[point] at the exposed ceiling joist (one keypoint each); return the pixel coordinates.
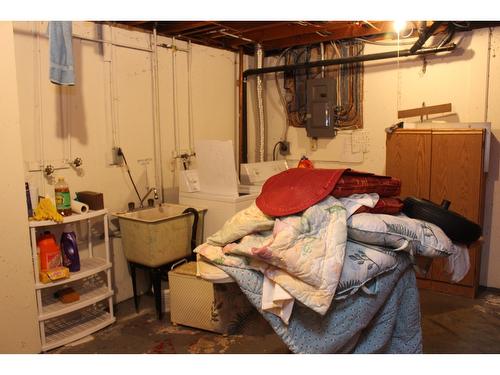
(275, 36)
(330, 34)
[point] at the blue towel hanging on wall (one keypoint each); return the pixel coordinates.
(61, 53)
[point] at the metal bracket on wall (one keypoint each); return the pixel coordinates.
(49, 165)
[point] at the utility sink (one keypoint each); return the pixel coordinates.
(158, 235)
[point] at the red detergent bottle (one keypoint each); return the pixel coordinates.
(49, 252)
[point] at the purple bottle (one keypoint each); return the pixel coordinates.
(69, 248)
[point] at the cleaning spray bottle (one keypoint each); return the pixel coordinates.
(69, 248)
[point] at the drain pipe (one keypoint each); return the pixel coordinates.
(339, 61)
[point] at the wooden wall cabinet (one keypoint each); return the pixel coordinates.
(437, 164)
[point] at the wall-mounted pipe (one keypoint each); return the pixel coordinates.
(240, 103)
(339, 61)
(426, 35)
(261, 128)
(158, 159)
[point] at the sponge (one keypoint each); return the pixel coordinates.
(67, 295)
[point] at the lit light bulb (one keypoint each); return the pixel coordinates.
(399, 25)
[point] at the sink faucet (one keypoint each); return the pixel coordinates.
(146, 195)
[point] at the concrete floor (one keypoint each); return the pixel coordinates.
(461, 325)
(450, 325)
(138, 333)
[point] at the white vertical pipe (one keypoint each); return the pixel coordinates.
(261, 130)
(113, 90)
(65, 103)
(190, 100)
(174, 97)
(156, 115)
(40, 106)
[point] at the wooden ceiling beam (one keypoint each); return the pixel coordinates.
(250, 26)
(178, 27)
(279, 31)
(277, 35)
(136, 23)
(290, 29)
(348, 32)
(203, 31)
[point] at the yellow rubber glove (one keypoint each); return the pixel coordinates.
(45, 210)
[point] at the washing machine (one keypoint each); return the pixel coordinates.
(214, 185)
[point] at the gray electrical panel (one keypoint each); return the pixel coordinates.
(321, 103)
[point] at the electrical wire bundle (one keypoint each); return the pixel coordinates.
(348, 80)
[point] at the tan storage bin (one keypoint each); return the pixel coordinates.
(198, 303)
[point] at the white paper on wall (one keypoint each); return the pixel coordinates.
(190, 181)
(216, 167)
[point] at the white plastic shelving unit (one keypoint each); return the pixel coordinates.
(61, 323)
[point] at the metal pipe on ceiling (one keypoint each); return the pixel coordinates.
(348, 60)
(339, 61)
(426, 35)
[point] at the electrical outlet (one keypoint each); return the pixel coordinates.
(285, 148)
(116, 158)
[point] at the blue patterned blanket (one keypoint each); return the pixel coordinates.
(387, 321)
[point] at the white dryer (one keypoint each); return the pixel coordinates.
(213, 185)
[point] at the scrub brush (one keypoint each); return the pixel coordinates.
(45, 210)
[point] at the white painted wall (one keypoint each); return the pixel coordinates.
(460, 78)
(18, 315)
(112, 104)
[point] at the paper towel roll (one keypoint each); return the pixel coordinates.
(79, 207)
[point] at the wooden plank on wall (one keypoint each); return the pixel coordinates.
(422, 111)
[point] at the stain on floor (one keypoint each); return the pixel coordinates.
(450, 324)
(137, 333)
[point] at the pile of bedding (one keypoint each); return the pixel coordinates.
(326, 257)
